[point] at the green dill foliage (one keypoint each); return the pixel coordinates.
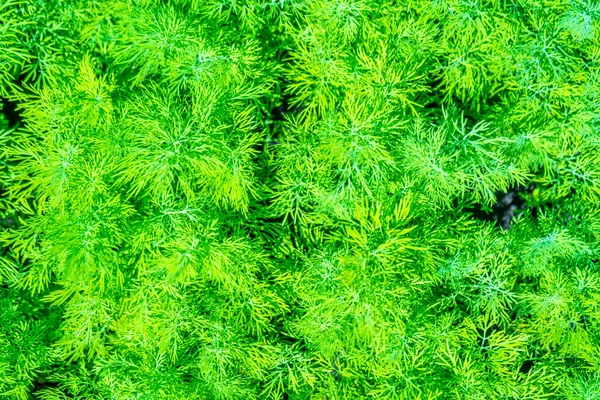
(295, 199)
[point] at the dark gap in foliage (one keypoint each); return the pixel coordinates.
(526, 366)
(42, 381)
(104, 64)
(335, 369)
(11, 113)
(508, 204)
(279, 112)
(265, 226)
(464, 110)
(282, 107)
(276, 110)
(8, 222)
(529, 363)
(581, 323)
(458, 303)
(434, 99)
(493, 100)
(335, 373)
(573, 362)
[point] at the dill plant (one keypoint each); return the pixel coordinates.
(300, 199)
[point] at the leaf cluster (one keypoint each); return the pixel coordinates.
(278, 199)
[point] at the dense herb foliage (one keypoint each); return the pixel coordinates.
(300, 199)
